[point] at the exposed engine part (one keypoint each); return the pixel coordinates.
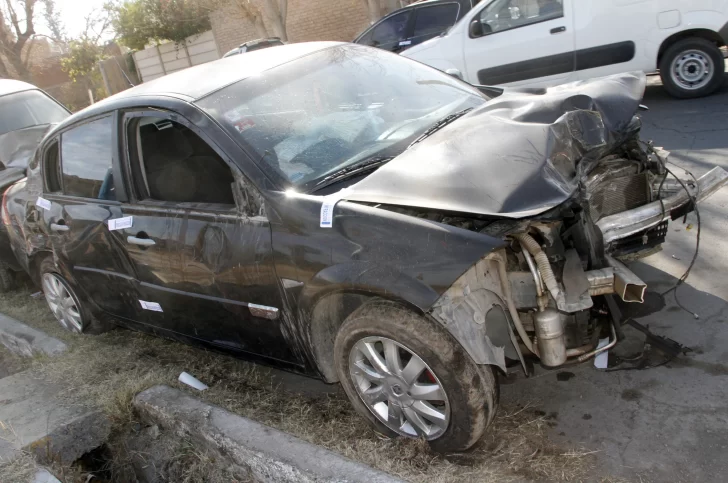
(542, 300)
(506, 288)
(550, 337)
(617, 279)
(617, 185)
(596, 352)
(544, 267)
(621, 225)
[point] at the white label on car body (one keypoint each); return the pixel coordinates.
(405, 42)
(327, 208)
(121, 223)
(43, 203)
(153, 306)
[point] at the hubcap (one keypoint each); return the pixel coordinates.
(692, 69)
(62, 303)
(399, 388)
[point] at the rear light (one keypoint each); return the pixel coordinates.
(4, 209)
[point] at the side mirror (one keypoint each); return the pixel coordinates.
(476, 28)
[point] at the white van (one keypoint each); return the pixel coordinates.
(540, 43)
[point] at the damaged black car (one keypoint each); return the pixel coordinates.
(26, 115)
(347, 213)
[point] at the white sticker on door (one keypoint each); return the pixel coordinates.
(327, 213)
(153, 306)
(43, 203)
(121, 223)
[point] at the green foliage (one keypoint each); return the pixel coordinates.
(137, 22)
(82, 59)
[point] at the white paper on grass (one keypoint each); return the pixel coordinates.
(43, 203)
(600, 361)
(121, 223)
(153, 306)
(192, 381)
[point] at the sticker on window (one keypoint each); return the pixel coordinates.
(405, 42)
(43, 203)
(120, 223)
(153, 306)
(244, 125)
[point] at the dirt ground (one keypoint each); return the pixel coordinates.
(108, 370)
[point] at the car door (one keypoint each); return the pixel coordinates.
(431, 20)
(205, 269)
(392, 33)
(82, 191)
(521, 43)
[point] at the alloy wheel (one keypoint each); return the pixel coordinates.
(692, 69)
(399, 388)
(62, 303)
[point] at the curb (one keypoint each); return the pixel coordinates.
(270, 455)
(26, 341)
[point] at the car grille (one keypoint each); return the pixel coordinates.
(614, 195)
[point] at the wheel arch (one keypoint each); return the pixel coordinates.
(704, 33)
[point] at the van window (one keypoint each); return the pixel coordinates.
(175, 164)
(503, 15)
(86, 160)
(433, 20)
(388, 34)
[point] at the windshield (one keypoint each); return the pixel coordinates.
(334, 108)
(28, 108)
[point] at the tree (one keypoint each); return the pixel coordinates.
(268, 17)
(86, 51)
(374, 9)
(138, 22)
(15, 31)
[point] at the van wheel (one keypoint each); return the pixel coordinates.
(7, 279)
(66, 306)
(692, 67)
(408, 377)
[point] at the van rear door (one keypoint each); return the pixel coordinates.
(521, 43)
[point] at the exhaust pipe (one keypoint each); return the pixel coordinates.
(633, 221)
(619, 279)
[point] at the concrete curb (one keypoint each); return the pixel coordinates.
(26, 341)
(270, 455)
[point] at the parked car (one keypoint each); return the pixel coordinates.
(345, 212)
(414, 24)
(540, 43)
(26, 114)
(254, 45)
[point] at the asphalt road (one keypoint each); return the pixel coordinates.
(667, 423)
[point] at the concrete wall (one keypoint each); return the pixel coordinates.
(169, 57)
(307, 20)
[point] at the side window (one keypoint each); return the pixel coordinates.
(503, 15)
(51, 169)
(431, 21)
(86, 160)
(172, 163)
(391, 31)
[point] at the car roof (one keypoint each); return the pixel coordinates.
(10, 86)
(198, 81)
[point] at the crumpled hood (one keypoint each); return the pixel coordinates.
(518, 155)
(17, 147)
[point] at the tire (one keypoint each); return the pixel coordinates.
(70, 310)
(7, 279)
(682, 64)
(470, 391)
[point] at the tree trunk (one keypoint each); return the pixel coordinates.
(391, 5)
(274, 11)
(374, 9)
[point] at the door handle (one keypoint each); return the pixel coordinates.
(144, 242)
(59, 227)
(558, 30)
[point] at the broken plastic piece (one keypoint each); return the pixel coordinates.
(192, 381)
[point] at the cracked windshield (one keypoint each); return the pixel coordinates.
(342, 107)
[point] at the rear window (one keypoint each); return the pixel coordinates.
(27, 109)
(435, 19)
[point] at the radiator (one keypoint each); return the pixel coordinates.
(614, 195)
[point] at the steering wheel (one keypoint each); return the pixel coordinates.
(323, 155)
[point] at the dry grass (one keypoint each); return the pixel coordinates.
(110, 369)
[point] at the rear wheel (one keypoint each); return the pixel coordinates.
(66, 306)
(408, 377)
(692, 67)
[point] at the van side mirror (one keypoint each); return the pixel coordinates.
(476, 28)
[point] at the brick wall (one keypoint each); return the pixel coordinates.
(307, 20)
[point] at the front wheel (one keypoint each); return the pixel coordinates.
(692, 67)
(408, 377)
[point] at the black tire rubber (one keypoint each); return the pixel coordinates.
(91, 325)
(472, 390)
(692, 43)
(7, 279)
